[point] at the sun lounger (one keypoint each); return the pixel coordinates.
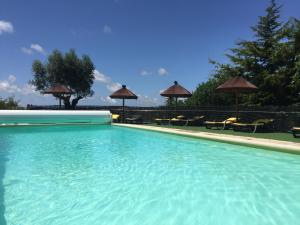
(162, 121)
(115, 118)
(179, 121)
(196, 121)
(261, 124)
(135, 119)
(183, 121)
(220, 124)
(296, 132)
(159, 121)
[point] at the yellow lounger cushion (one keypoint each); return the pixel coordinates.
(115, 116)
(228, 121)
(231, 119)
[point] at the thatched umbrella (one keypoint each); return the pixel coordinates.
(59, 90)
(123, 94)
(176, 91)
(237, 85)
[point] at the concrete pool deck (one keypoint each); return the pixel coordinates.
(269, 144)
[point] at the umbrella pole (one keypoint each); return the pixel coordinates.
(176, 99)
(123, 111)
(166, 110)
(237, 105)
(59, 103)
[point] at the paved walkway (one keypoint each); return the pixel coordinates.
(283, 146)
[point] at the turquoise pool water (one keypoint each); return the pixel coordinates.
(118, 176)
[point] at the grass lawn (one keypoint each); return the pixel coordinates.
(274, 136)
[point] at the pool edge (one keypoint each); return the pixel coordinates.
(268, 144)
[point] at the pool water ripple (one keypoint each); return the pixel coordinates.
(117, 176)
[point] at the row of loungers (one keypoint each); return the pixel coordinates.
(230, 123)
(260, 124)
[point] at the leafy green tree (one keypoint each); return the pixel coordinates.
(292, 31)
(270, 61)
(9, 103)
(259, 60)
(206, 95)
(66, 69)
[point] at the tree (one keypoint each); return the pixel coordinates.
(260, 60)
(292, 49)
(69, 70)
(270, 61)
(206, 95)
(9, 103)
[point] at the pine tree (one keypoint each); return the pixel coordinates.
(271, 61)
(258, 60)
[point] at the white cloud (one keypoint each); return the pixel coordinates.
(12, 78)
(37, 48)
(28, 89)
(26, 93)
(6, 27)
(145, 73)
(144, 100)
(33, 48)
(9, 86)
(6, 86)
(107, 29)
(110, 85)
(108, 100)
(100, 77)
(26, 50)
(162, 71)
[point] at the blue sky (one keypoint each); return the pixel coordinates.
(146, 44)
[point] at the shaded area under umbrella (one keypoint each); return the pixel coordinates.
(176, 91)
(237, 85)
(59, 90)
(123, 94)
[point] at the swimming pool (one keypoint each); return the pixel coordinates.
(112, 175)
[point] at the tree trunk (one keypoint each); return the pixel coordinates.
(75, 102)
(66, 101)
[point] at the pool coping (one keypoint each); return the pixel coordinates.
(268, 144)
(48, 124)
